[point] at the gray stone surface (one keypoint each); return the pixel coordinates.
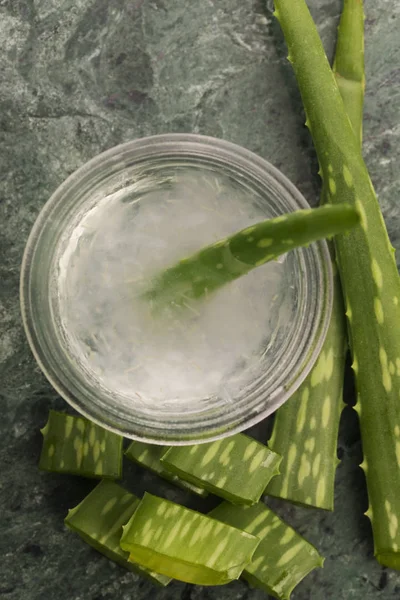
(79, 76)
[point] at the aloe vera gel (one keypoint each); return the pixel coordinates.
(107, 259)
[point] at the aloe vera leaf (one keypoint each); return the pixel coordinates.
(228, 259)
(283, 557)
(348, 65)
(98, 520)
(149, 455)
(184, 544)
(369, 276)
(237, 468)
(77, 446)
(306, 427)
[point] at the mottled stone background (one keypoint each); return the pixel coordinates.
(79, 76)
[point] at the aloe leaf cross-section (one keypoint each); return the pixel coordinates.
(186, 545)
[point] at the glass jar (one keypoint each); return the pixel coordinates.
(147, 198)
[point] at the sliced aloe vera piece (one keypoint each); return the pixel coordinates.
(237, 468)
(184, 544)
(149, 455)
(282, 559)
(99, 518)
(78, 446)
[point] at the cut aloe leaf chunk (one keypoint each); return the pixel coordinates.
(184, 544)
(99, 518)
(77, 446)
(149, 455)
(282, 559)
(237, 468)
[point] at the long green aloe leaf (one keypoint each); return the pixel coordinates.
(99, 518)
(228, 259)
(237, 468)
(368, 271)
(76, 445)
(283, 557)
(186, 545)
(149, 456)
(306, 427)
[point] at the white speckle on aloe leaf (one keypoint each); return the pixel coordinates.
(185, 530)
(249, 451)
(255, 564)
(392, 368)
(377, 273)
(387, 381)
(313, 423)
(398, 453)
(161, 510)
(146, 538)
(330, 169)
(224, 459)
(210, 454)
(69, 423)
(143, 454)
(348, 178)
(397, 431)
(378, 309)
(326, 411)
(329, 364)
(263, 532)
(50, 451)
(80, 425)
(288, 241)
(354, 365)
(393, 526)
(172, 535)
(332, 186)
(249, 230)
(316, 465)
(302, 413)
(395, 300)
(193, 450)
(309, 445)
(62, 464)
(361, 210)
(217, 552)
(317, 375)
(206, 530)
(304, 470)
(96, 450)
(250, 239)
(289, 555)
(287, 537)
(349, 312)
(109, 506)
(85, 449)
(291, 456)
(99, 467)
(220, 266)
(256, 461)
(256, 522)
(265, 243)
